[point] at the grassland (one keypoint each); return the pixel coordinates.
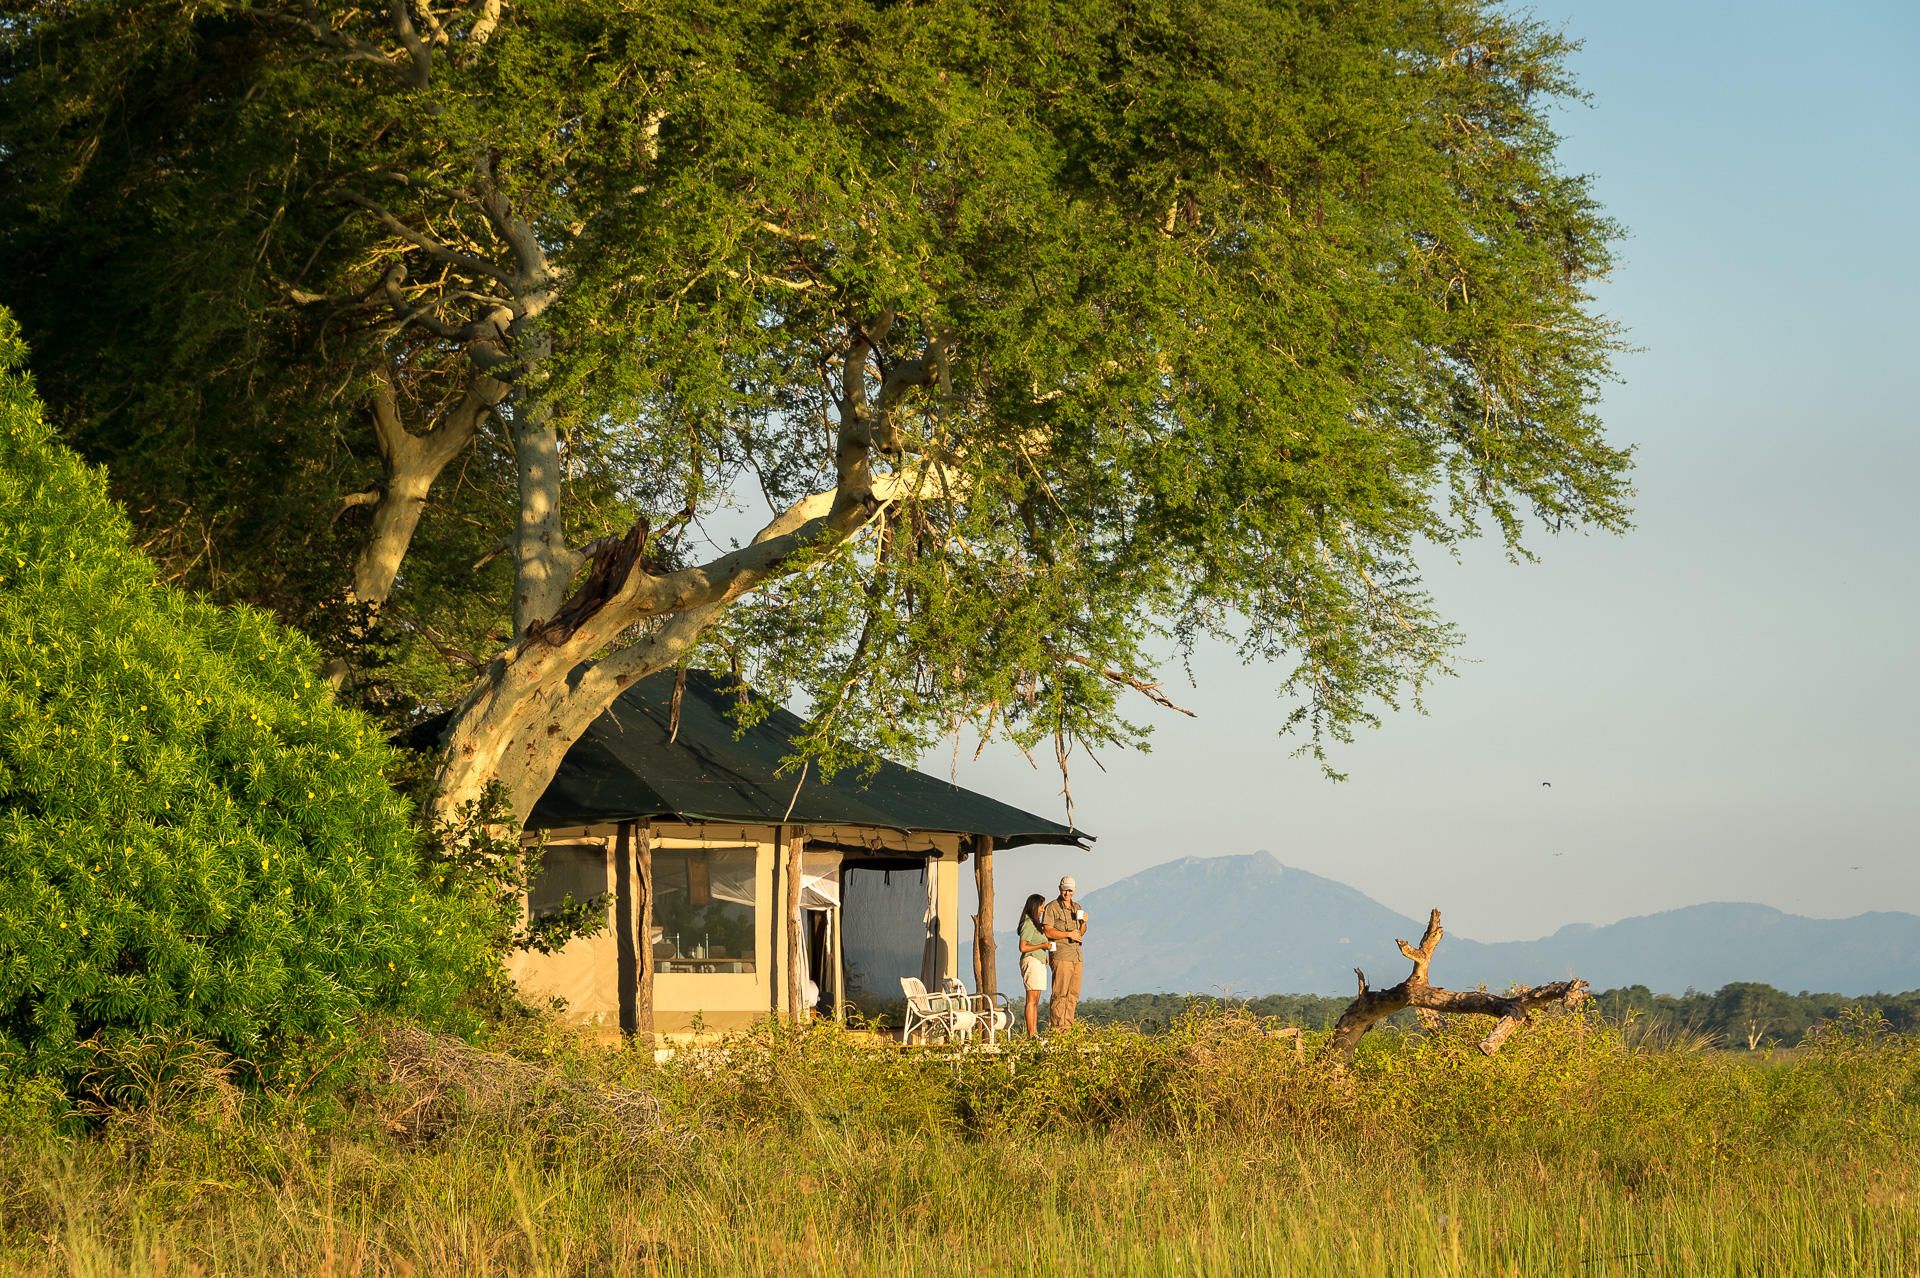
(1205, 1150)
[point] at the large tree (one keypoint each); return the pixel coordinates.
(1043, 329)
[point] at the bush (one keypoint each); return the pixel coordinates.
(193, 837)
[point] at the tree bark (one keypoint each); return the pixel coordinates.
(985, 976)
(1512, 1010)
(411, 463)
(543, 564)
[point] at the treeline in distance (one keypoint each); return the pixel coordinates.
(1743, 1015)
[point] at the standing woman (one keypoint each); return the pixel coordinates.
(1033, 959)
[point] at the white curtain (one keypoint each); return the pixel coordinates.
(820, 880)
(730, 874)
(933, 955)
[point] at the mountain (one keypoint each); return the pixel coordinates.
(1248, 925)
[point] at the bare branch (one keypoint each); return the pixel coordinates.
(1145, 687)
(786, 233)
(443, 252)
(490, 328)
(366, 497)
(493, 552)
(344, 46)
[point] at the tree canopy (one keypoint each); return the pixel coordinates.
(1043, 331)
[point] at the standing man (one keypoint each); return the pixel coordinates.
(1065, 924)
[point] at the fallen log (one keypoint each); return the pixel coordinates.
(1512, 1010)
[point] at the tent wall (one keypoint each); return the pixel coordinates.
(694, 990)
(584, 974)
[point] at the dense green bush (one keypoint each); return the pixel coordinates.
(193, 836)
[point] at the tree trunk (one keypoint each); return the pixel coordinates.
(543, 563)
(1513, 1010)
(411, 464)
(985, 976)
(535, 700)
(396, 516)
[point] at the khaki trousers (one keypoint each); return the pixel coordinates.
(1066, 991)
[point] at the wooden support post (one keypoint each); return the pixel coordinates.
(796, 988)
(643, 909)
(985, 979)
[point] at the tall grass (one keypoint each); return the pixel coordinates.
(1206, 1150)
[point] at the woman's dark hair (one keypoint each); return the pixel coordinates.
(1031, 909)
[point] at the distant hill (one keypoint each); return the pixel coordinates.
(1249, 925)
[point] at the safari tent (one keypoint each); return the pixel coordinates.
(736, 890)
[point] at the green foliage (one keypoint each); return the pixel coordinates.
(1153, 1013)
(193, 837)
(483, 855)
(1240, 305)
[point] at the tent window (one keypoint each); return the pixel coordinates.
(574, 872)
(703, 909)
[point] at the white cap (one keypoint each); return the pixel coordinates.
(1067, 884)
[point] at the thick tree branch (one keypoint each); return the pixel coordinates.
(410, 464)
(419, 51)
(486, 20)
(365, 497)
(535, 277)
(490, 328)
(390, 432)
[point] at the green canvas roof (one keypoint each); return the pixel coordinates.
(626, 769)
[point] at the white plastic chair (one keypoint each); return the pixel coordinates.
(930, 1015)
(989, 1009)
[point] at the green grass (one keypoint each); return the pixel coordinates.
(1207, 1150)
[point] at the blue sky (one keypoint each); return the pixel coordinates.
(1724, 700)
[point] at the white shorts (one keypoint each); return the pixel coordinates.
(1033, 970)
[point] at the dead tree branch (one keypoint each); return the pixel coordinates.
(1145, 687)
(1511, 1010)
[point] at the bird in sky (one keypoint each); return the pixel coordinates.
(1547, 785)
